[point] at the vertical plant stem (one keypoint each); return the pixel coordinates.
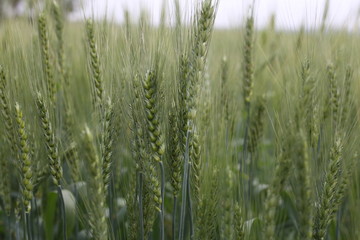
(17, 230)
(76, 219)
(28, 226)
(32, 221)
(246, 134)
(184, 189)
(243, 168)
(112, 208)
(319, 144)
(62, 208)
(141, 213)
(37, 222)
(174, 218)
(190, 208)
(162, 227)
(338, 219)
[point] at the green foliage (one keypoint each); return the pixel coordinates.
(129, 131)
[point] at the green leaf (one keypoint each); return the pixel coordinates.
(253, 227)
(289, 207)
(70, 210)
(49, 214)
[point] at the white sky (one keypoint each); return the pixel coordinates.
(290, 14)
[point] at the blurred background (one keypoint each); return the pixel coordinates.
(290, 14)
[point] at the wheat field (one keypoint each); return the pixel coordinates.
(177, 131)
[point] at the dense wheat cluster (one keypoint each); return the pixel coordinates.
(180, 131)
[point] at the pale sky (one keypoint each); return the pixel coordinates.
(290, 14)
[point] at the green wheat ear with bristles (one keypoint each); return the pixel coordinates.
(9, 136)
(50, 141)
(182, 131)
(25, 160)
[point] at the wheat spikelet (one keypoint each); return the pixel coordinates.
(95, 64)
(224, 99)
(51, 143)
(5, 183)
(45, 53)
(153, 125)
(256, 126)
(303, 177)
(9, 136)
(347, 94)
(184, 69)
(325, 211)
(239, 227)
(196, 164)
(131, 204)
(203, 30)
(25, 159)
(248, 70)
(97, 219)
(72, 152)
(309, 104)
(228, 206)
(59, 28)
(334, 95)
(174, 156)
(107, 144)
(151, 193)
(206, 218)
(157, 146)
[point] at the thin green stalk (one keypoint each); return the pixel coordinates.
(62, 209)
(173, 225)
(191, 223)
(184, 189)
(245, 152)
(112, 210)
(28, 225)
(162, 227)
(325, 16)
(17, 228)
(338, 219)
(76, 193)
(33, 223)
(24, 225)
(141, 212)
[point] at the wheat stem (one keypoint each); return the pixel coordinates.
(184, 189)
(141, 206)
